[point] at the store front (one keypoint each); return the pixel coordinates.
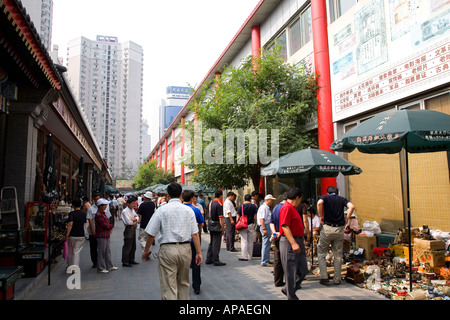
(429, 178)
(36, 103)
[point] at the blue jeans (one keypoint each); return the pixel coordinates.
(265, 250)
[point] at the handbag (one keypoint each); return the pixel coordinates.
(65, 250)
(213, 226)
(242, 223)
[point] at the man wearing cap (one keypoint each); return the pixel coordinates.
(145, 212)
(263, 217)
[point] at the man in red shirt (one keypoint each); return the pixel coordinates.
(292, 248)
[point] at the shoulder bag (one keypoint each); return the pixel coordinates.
(242, 222)
(213, 226)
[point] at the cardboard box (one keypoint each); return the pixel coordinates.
(434, 258)
(430, 245)
(366, 243)
(400, 251)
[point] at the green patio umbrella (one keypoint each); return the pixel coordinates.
(310, 163)
(153, 187)
(415, 131)
(161, 188)
(110, 189)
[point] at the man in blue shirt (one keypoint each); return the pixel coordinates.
(278, 273)
(188, 196)
(203, 204)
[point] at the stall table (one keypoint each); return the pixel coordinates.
(8, 278)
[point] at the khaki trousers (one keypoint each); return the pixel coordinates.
(173, 265)
(333, 236)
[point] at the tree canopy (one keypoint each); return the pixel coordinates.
(148, 175)
(275, 98)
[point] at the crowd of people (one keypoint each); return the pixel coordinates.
(177, 219)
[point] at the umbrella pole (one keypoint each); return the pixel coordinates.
(408, 209)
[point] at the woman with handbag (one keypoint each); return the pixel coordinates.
(248, 210)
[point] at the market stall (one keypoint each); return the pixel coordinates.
(380, 262)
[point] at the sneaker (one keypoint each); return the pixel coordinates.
(113, 268)
(267, 265)
(324, 282)
(103, 271)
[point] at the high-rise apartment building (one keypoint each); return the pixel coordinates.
(146, 140)
(41, 13)
(107, 79)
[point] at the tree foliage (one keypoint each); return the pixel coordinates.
(276, 95)
(148, 175)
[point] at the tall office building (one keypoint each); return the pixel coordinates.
(107, 79)
(176, 98)
(41, 13)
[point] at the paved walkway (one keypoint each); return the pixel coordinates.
(237, 280)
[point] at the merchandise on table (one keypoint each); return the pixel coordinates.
(376, 264)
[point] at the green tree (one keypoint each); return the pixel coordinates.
(275, 95)
(148, 175)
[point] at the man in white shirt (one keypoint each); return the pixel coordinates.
(176, 225)
(130, 220)
(229, 212)
(263, 218)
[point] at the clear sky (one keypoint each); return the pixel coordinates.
(181, 39)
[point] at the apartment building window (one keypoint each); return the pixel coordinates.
(338, 7)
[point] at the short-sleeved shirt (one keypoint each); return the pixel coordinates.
(228, 207)
(216, 210)
(198, 213)
(78, 218)
(333, 209)
(173, 222)
(264, 213)
(202, 203)
(249, 210)
(290, 217)
(276, 216)
(146, 211)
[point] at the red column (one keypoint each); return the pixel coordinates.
(256, 53)
(182, 150)
(173, 152)
(165, 155)
(322, 66)
(160, 155)
(256, 44)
